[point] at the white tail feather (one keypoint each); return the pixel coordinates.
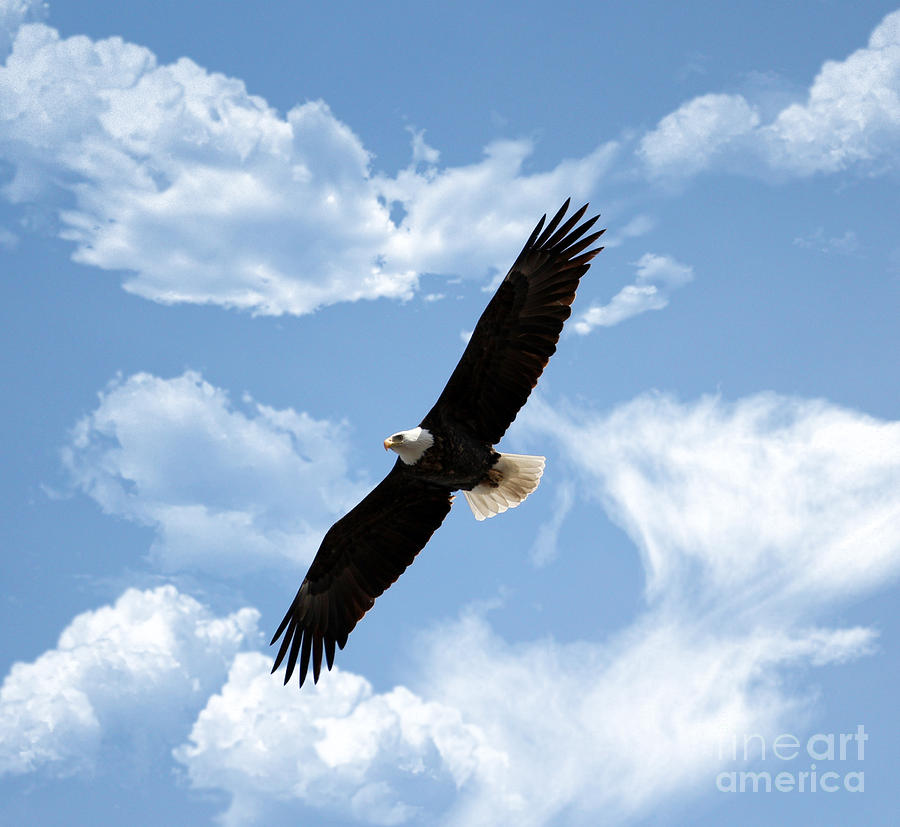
(518, 474)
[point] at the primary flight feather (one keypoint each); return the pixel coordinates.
(451, 449)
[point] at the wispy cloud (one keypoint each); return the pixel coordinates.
(640, 225)
(140, 668)
(545, 547)
(8, 239)
(818, 240)
(421, 151)
(617, 729)
(657, 276)
(753, 519)
(248, 484)
(851, 116)
(688, 482)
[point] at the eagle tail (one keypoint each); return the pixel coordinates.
(512, 479)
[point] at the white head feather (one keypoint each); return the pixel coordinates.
(411, 444)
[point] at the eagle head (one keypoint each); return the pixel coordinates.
(410, 445)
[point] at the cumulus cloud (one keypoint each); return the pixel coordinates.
(199, 189)
(248, 484)
(337, 746)
(657, 276)
(202, 192)
(753, 519)
(451, 227)
(13, 14)
(851, 116)
(690, 138)
(852, 113)
(152, 656)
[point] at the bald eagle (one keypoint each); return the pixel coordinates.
(452, 448)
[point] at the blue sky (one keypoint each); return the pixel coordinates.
(240, 245)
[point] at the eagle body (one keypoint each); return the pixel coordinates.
(456, 459)
(452, 449)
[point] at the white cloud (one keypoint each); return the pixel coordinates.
(139, 669)
(851, 116)
(451, 227)
(617, 729)
(578, 728)
(226, 488)
(13, 14)
(639, 225)
(203, 193)
(690, 138)
(181, 177)
(852, 113)
(788, 501)
(337, 746)
(753, 520)
(545, 546)
(818, 240)
(8, 240)
(421, 151)
(657, 276)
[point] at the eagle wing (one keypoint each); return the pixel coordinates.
(361, 555)
(518, 331)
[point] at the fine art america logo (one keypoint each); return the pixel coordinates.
(818, 764)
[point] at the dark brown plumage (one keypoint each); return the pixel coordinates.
(518, 330)
(365, 551)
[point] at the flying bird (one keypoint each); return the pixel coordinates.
(452, 448)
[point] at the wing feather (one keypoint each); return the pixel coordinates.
(518, 331)
(361, 555)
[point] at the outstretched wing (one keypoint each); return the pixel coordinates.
(518, 331)
(361, 555)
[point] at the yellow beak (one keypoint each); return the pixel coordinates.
(387, 445)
